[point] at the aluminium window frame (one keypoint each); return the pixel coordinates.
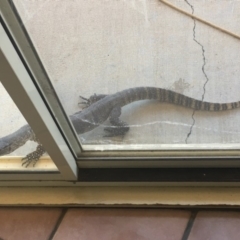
(28, 54)
(17, 81)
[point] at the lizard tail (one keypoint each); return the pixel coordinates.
(169, 96)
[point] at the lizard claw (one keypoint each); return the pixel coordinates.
(29, 161)
(86, 102)
(34, 156)
(86, 99)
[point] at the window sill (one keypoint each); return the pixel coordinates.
(121, 196)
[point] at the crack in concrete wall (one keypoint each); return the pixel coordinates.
(203, 69)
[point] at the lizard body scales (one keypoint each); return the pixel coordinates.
(103, 107)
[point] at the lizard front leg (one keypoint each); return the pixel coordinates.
(34, 156)
(92, 99)
(119, 127)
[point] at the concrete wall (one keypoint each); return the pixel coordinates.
(106, 46)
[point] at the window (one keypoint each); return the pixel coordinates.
(85, 57)
(16, 79)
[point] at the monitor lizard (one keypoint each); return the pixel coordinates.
(99, 108)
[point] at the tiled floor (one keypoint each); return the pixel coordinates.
(118, 224)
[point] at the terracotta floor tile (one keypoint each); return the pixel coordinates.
(212, 225)
(119, 224)
(27, 223)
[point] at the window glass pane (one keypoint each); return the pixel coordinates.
(104, 47)
(17, 139)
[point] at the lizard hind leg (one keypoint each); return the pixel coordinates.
(34, 156)
(119, 127)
